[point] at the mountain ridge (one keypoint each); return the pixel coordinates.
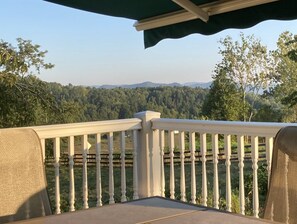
(148, 84)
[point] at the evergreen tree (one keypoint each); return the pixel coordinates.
(223, 99)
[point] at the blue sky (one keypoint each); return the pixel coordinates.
(92, 49)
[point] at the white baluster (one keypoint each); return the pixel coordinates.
(227, 140)
(71, 173)
(240, 149)
(215, 151)
(255, 156)
(171, 152)
(204, 174)
(111, 178)
(182, 166)
(123, 167)
(162, 146)
(57, 173)
(193, 172)
(85, 171)
(98, 170)
(269, 149)
(135, 174)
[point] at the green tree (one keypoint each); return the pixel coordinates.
(23, 96)
(248, 63)
(292, 53)
(223, 99)
(285, 76)
(286, 69)
(15, 63)
(268, 110)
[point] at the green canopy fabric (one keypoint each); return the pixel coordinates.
(143, 9)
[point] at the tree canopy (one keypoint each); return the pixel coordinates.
(248, 63)
(22, 94)
(90, 104)
(223, 99)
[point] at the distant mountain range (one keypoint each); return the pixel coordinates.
(204, 85)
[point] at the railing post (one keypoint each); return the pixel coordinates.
(149, 159)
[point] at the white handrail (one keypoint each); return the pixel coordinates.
(85, 128)
(263, 129)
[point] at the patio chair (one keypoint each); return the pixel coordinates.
(281, 201)
(23, 192)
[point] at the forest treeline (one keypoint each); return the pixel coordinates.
(68, 104)
(89, 104)
(56, 103)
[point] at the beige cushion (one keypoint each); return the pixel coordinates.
(22, 177)
(281, 202)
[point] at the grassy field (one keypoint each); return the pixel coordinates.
(64, 184)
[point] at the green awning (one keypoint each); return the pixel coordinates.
(186, 17)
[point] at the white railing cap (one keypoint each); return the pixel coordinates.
(220, 127)
(84, 128)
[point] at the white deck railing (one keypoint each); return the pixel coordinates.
(210, 130)
(84, 130)
(154, 136)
